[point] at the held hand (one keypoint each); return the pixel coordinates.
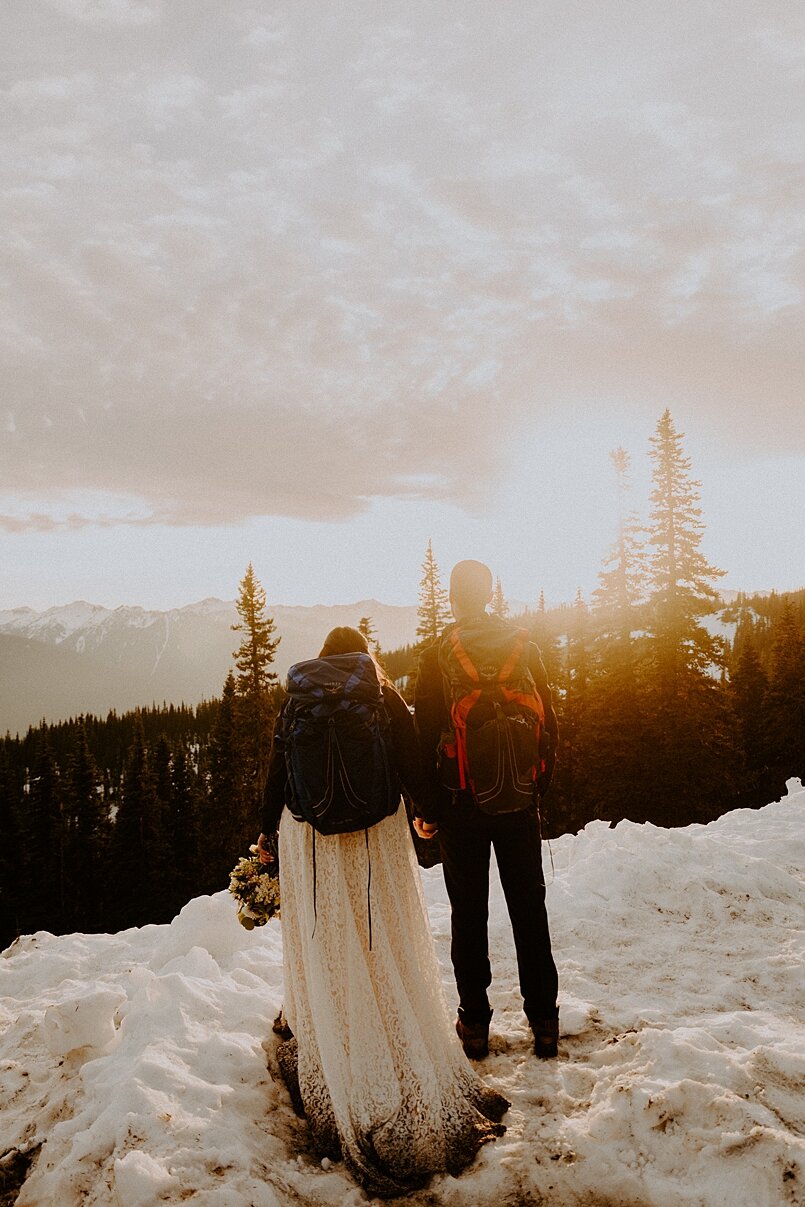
(425, 829)
(263, 855)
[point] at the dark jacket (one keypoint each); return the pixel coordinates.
(405, 753)
(432, 716)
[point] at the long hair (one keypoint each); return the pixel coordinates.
(346, 640)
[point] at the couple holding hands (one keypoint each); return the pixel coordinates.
(372, 1059)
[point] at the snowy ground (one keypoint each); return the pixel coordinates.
(138, 1060)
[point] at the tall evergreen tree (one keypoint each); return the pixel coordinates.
(499, 606)
(689, 730)
(229, 813)
(253, 684)
(785, 698)
(434, 606)
(136, 842)
(43, 841)
(367, 629)
(11, 884)
(681, 578)
(87, 827)
(761, 780)
(623, 580)
(183, 832)
(161, 761)
(749, 628)
(543, 633)
(748, 685)
(566, 801)
(614, 773)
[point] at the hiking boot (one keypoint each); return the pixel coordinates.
(546, 1037)
(474, 1038)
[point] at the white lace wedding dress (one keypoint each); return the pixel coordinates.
(382, 1078)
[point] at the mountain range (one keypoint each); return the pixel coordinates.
(82, 658)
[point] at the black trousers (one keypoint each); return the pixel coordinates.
(466, 836)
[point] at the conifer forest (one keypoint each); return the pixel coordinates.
(674, 705)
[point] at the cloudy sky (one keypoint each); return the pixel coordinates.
(310, 283)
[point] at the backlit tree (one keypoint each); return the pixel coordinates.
(499, 606)
(434, 607)
(681, 579)
(253, 684)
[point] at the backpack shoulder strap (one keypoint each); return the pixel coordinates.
(455, 646)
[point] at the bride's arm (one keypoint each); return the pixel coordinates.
(273, 793)
(409, 760)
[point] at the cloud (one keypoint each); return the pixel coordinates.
(260, 272)
(63, 511)
(41, 522)
(113, 12)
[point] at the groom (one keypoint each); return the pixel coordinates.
(466, 837)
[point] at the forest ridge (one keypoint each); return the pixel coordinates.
(661, 719)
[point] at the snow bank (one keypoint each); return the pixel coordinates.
(138, 1060)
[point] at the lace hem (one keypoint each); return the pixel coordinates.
(375, 1066)
(384, 1160)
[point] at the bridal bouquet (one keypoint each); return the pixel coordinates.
(256, 888)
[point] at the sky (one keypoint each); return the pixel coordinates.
(309, 285)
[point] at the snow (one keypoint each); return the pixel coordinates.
(80, 619)
(139, 1060)
(210, 606)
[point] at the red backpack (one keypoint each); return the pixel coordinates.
(495, 747)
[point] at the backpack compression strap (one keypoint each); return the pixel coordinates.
(529, 700)
(462, 707)
(471, 670)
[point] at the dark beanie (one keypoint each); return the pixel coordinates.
(471, 585)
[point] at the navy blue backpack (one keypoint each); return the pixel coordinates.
(336, 738)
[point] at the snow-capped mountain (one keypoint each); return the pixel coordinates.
(85, 658)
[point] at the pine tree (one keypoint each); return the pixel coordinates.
(614, 751)
(434, 607)
(43, 842)
(184, 837)
(681, 579)
(689, 727)
(567, 807)
(623, 581)
(749, 628)
(136, 841)
(499, 606)
(785, 699)
(748, 685)
(253, 685)
(543, 633)
(11, 901)
(367, 629)
(401, 665)
(161, 760)
(228, 814)
(87, 829)
(746, 692)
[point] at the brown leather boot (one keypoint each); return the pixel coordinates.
(546, 1037)
(474, 1038)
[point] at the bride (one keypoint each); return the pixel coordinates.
(374, 1063)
